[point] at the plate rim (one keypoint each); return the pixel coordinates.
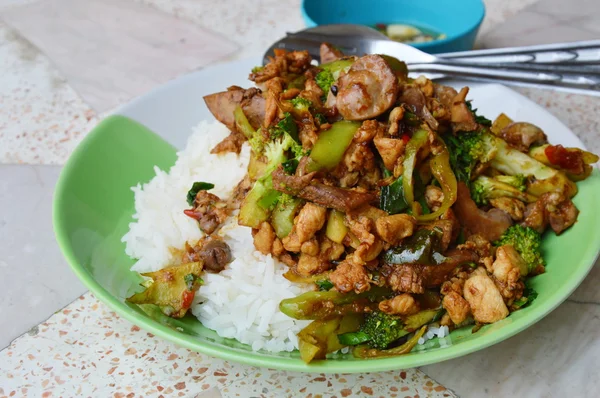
(289, 363)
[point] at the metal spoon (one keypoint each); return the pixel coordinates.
(573, 67)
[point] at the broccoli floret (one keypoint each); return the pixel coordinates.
(485, 188)
(470, 149)
(325, 80)
(382, 329)
(286, 125)
(467, 150)
(518, 181)
(479, 119)
(301, 104)
(527, 241)
(257, 69)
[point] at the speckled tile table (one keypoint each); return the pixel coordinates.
(87, 350)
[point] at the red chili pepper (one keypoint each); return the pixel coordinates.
(191, 213)
(560, 156)
(381, 26)
(405, 138)
(186, 299)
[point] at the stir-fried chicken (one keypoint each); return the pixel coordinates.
(283, 64)
(462, 117)
(511, 206)
(458, 308)
(522, 135)
(349, 276)
(551, 208)
(393, 229)
(264, 238)
(403, 304)
(486, 302)
(507, 270)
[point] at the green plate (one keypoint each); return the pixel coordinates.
(93, 205)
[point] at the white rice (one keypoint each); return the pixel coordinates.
(434, 331)
(242, 301)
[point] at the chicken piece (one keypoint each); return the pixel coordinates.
(396, 115)
(522, 135)
(486, 302)
(457, 282)
(507, 271)
(209, 210)
(458, 308)
(368, 130)
(329, 53)
(311, 265)
(361, 227)
(349, 276)
(478, 244)
(393, 229)
(264, 238)
(274, 89)
(239, 193)
(403, 304)
(425, 85)
(462, 118)
(406, 278)
(331, 250)
(277, 249)
(310, 219)
(511, 206)
(390, 150)
(368, 89)
(444, 94)
(366, 252)
(553, 208)
(284, 63)
(310, 247)
(434, 197)
(292, 242)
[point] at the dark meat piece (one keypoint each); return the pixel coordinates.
(368, 89)
(240, 192)
(232, 143)
(288, 183)
(212, 252)
(415, 100)
(222, 105)
(209, 210)
(329, 53)
(491, 225)
(522, 135)
(552, 208)
(216, 254)
(414, 278)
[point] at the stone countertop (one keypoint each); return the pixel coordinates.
(45, 111)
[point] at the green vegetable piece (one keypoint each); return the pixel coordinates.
(417, 141)
(479, 119)
(337, 66)
(392, 198)
(290, 166)
(336, 230)
(324, 285)
(366, 352)
(317, 305)
(197, 187)
(331, 145)
(252, 214)
(242, 123)
(320, 118)
(325, 80)
(353, 338)
(423, 247)
(285, 125)
(484, 188)
(527, 241)
(415, 321)
(171, 288)
(399, 67)
(383, 329)
(529, 295)
(301, 104)
(282, 218)
(257, 69)
(518, 181)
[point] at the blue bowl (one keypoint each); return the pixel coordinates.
(459, 20)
